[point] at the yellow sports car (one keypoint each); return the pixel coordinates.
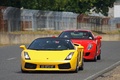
(52, 54)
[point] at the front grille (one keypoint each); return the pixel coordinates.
(64, 66)
(30, 66)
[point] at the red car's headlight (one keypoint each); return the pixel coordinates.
(89, 46)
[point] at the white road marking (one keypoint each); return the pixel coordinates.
(11, 58)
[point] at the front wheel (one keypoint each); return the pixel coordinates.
(77, 68)
(99, 57)
(23, 71)
(81, 67)
(95, 59)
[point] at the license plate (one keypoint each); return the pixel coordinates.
(47, 66)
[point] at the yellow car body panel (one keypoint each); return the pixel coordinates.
(52, 55)
(52, 60)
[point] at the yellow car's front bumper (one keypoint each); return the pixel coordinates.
(66, 65)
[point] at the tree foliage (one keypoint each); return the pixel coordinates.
(77, 6)
(13, 3)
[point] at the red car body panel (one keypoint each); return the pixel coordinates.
(89, 54)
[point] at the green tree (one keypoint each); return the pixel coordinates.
(83, 6)
(12, 3)
(77, 6)
(103, 6)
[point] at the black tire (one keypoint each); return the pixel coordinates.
(23, 71)
(99, 57)
(77, 68)
(95, 59)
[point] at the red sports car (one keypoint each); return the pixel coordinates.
(91, 43)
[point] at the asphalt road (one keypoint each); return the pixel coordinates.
(10, 65)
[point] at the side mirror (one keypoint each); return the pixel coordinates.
(75, 44)
(54, 36)
(23, 47)
(78, 46)
(98, 37)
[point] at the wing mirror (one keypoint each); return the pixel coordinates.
(78, 46)
(23, 47)
(98, 37)
(53, 36)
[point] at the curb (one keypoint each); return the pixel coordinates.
(94, 76)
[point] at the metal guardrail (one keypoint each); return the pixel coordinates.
(14, 19)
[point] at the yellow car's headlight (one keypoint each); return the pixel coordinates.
(26, 56)
(69, 56)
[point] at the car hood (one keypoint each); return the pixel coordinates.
(48, 55)
(83, 42)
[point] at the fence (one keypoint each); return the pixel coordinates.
(13, 19)
(36, 20)
(10, 19)
(97, 23)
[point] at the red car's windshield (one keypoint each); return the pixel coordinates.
(76, 34)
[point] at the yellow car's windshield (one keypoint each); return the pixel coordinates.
(51, 44)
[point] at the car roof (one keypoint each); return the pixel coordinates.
(77, 30)
(54, 38)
